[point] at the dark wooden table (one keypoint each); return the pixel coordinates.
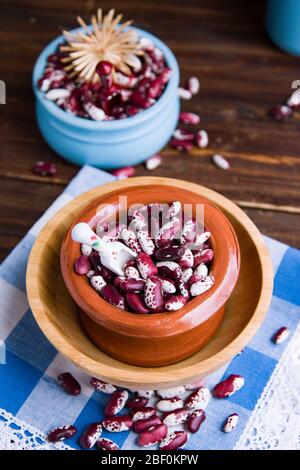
(242, 74)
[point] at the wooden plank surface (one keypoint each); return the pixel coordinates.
(242, 74)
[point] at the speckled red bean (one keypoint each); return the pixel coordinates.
(97, 282)
(174, 440)
(90, 435)
(281, 335)
(132, 285)
(144, 393)
(146, 242)
(168, 285)
(118, 423)
(175, 417)
(131, 272)
(107, 444)
(189, 118)
(168, 232)
(113, 296)
(146, 266)
(229, 386)
(198, 399)
(193, 85)
(69, 383)
(183, 289)
(123, 173)
(230, 423)
(116, 403)
(169, 404)
(169, 269)
(195, 420)
(187, 259)
(189, 231)
(181, 145)
(61, 433)
(139, 221)
(137, 403)
(45, 169)
(144, 424)
(201, 270)
(82, 265)
(183, 134)
(101, 386)
(204, 256)
(130, 239)
(202, 285)
(136, 303)
(153, 435)
(174, 303)
(143, 413)
(170, 253)
(153, 295)
(171, 392)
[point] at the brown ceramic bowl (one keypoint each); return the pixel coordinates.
(167, 337)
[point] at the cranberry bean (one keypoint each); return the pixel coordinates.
(201, 139)
(95, 113)
(175, 417)
(144, 393)
(176, 302)
(118, 423)
(118, 280)
(153, 162)
(57, 94)
(281, 335)
(220, 162)
(170, 253)
(101, 386)
(230, 423)
(129, 238)
(201, 270)
(82, 265)
(139, 221)
(171, 392)
(131, 272)
(136, 303)
(187, 274)
(198, 399)
(153, 435)
(146, 242)
(184, 94)
(144, 424)
(168, 285)
(91, 435)
(110, 231)
(189, 118)
(146, 266)
(183, 134)
(62, 433)
(202, 285)
(132, 285)
(137, 403)
(181, 145)
(280, 112)
(195, 420)
(143, 413)
(189, 231)
(153, 295)
(193, 279)
(169, 269)
(293, 101)
(168, 232)
(169, 404)
(173, 441)
(204, 256)
(111, 294)
(44, 169)
(97, 282)
(116, 403)
(193, 85)
(187, 259)
(107, 444)
(194, 385)
(123, 173)
(229, 386)
(69, 383)
(99, 268)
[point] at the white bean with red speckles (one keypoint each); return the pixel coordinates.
(169, 404)
(202, 286)
(171, 392)
(186, 274)
(116, 403)
(176, 302)
(176, 417)
(131, 272)
(130, 239)
(97, 282)
(168, 286)
(101, 386)
(230, 423)
(201, 270)
(146, 242)
(143, 413)
(174, 440)
(117, 423)
(86, 250)
(198, 399)
(187, 260)
(153, 162)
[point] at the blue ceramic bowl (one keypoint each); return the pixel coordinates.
(108, 144)
(282, 23)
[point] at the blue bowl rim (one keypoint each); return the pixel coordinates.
(113, 125)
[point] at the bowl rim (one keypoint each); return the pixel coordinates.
(116, 124)
(225, 269)
(142, 377)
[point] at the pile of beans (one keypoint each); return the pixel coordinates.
(115, 95)
(161, 417)
(172, 263)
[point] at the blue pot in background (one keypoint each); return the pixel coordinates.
(108, 144)
(283, 24)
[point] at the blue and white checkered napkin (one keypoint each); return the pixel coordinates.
(28, 386)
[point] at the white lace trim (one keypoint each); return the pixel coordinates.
(275, 421)
(17, 435)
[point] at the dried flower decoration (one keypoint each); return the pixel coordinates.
(108, 41)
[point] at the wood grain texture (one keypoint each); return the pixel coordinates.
(57, 315)
(242, 74)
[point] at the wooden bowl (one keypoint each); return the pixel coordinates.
(167, 337)
(56, 312)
